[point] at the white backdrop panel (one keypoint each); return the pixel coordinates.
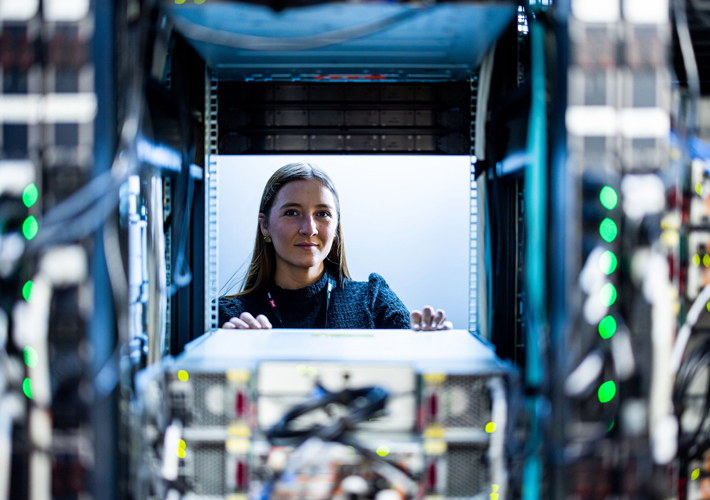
(404, 217)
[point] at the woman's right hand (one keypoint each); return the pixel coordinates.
(246, 321)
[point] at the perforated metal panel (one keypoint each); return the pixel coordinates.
(467, 471)
(466, 402)
(202, 415)
(209, 468)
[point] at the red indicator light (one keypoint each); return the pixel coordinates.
(241, 475)
(433, 406)
(431, 477)
(240, 404)
(351, 77)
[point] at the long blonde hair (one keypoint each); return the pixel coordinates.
(263, 261)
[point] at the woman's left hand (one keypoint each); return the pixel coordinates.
(428, 320)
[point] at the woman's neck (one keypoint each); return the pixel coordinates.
(292, 278)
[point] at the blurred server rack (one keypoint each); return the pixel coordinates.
(48, 116)
(620, 328)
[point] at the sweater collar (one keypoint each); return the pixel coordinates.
(301, 294)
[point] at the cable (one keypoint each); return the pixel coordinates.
(363, 404)
(374, 397)
(684, 334)
(689, 61)
(183, 277)
(260, 43)
(698, 360)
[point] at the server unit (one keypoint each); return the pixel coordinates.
(210, 419)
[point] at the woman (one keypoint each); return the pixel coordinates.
(298, 277)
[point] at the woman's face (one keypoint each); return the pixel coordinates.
(302, 224)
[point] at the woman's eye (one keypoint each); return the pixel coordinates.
(324, 214)
(290, 212)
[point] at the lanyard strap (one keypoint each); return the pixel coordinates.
(329, 289)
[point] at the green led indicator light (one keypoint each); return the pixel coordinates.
(696, 260)
(490, 427)
(27, 290)
(607, 262)
(706, 260)
(608, 197)
(695, 475)
(30, 227)
(607, 327)
(708, 306)
(183, 376)
(30, 195)
(31, 357)
(27, 388)
(611, 426)
(608, 230)
(607, 391)
(383, 451)
(608, 294)
(699, 189)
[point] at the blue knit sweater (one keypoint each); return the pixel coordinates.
(356, 304)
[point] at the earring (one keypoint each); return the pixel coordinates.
(267, 238)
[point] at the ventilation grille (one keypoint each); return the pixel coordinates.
(466, 402)
(370, 118)
(202, 412)
(467, 472)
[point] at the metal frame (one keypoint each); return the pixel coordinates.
(167, 209)
(211, 206)
(473, 215)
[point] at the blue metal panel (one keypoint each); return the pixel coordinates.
(343, 41)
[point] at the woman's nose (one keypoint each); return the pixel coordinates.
(308, 226)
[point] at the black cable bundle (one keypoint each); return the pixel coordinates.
(363, 404)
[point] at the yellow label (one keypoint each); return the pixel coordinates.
(434, 447)
(238, 375)
(237, 446)
(239, 430)
(434, 432)
(434, 378)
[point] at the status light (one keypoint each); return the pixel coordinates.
(27, 387)
(607, 262)
(607, 327)
(696, 260)
(706, 260)
(30, 227)
(383, 451)
(31, 357)
(608, 230)
(490, 427)
(608, 197)
(27, 290)
(695, 475)
(183, 375)
(608, 294)
(607, 391)
(30, 195)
